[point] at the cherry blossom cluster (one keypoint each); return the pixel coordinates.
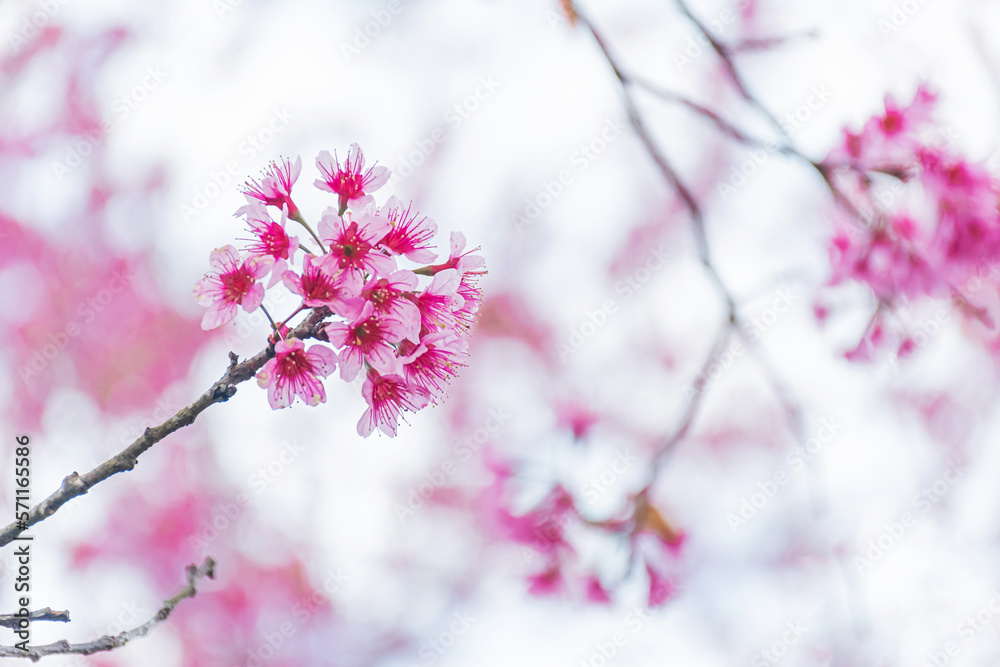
(409, 340)
(547, 531)
(925, 220)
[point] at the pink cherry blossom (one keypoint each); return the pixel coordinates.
(661, 589)
(434, 362)
(464, 261)
(367, 339)
(294, 371)
(275, 188)
(576, 417)
(381, 321)
(438, 302)
(596, 592)
(271, 239)
(471, 294)
(347, 179)
(889, 139)
(389, 298)
(231, 283)
(387, 396)
(410, 234)
(318, 287)
(351, 243)
(547, 582)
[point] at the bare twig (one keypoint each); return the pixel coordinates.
(726, 56)
(109, 642)
(666, 169)
(13, 620)
(767, 43)
(75, 485)
(626, 80)
(670, 441)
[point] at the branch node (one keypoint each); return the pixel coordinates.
(224, 392)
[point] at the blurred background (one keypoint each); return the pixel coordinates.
(126, 130)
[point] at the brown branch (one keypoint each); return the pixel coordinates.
(666, 169)
(76, 485)
(792, 411)
(671, 440)
(13, 621)
(726, 56)
(109, 642)
(724, 125)
(767, 43)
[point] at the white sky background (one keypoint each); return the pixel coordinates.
(226, 76)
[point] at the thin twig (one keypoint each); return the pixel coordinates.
(669, 442)
(109, 642)
(13, 621)
(666, 169)
(726, 56)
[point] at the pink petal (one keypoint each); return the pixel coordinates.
(253, 298)
(379, 177)
(224, 259)
(219, 313)
(350, 363)
(323, 360)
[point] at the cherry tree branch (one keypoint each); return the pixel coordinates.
(109, 642)
(665, 167)
(13, 621)
(670, 174)
(75, 485)
(725, 55)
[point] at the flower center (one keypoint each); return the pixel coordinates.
(236, 284)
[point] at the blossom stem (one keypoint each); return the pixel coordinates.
(268, 316)
(297, 217)
(297, 311)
